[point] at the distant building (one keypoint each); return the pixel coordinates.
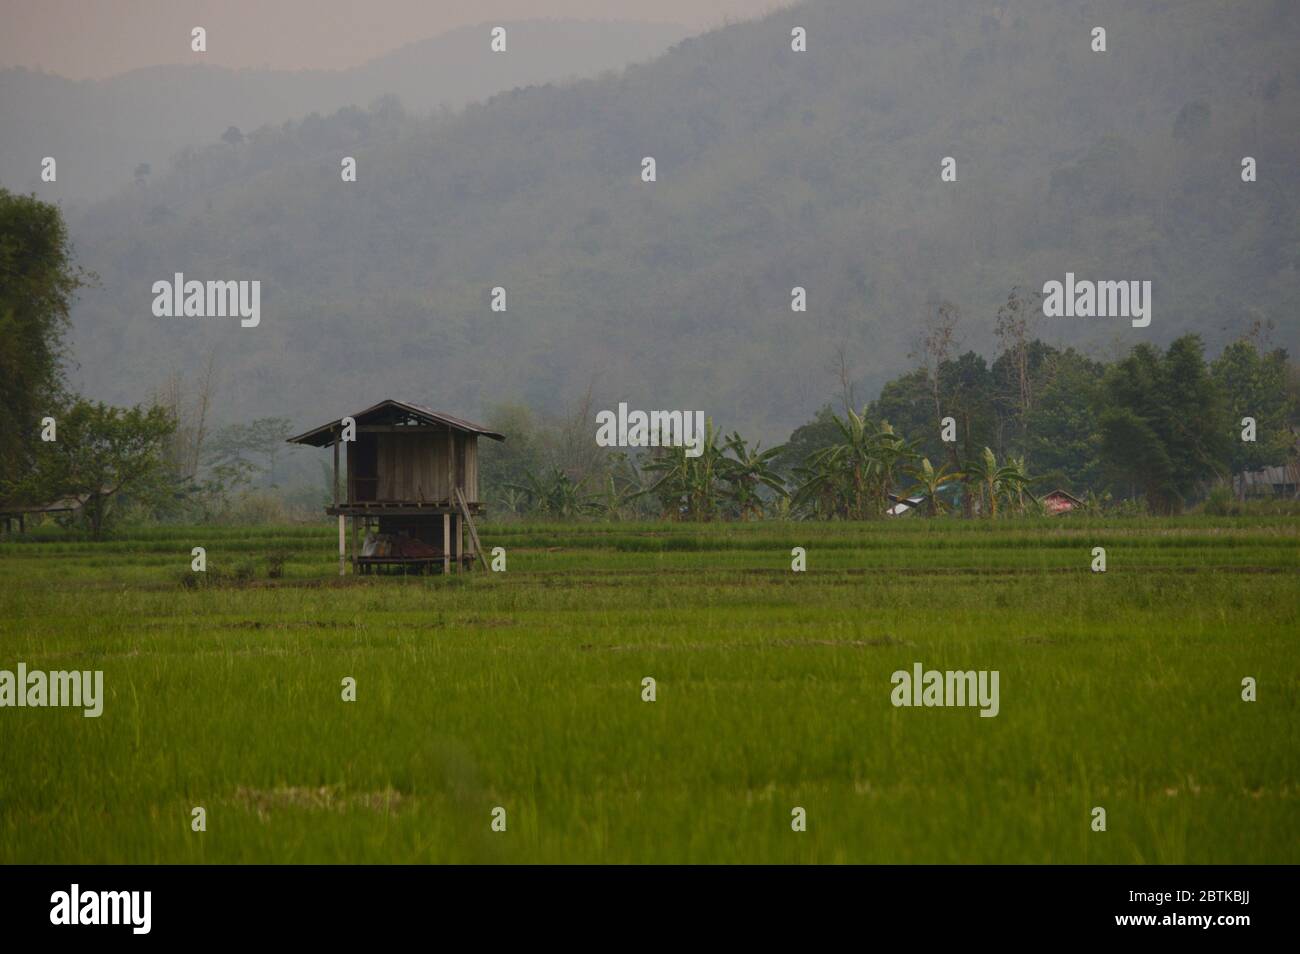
(11, 512)
(1281, 481)
(1059, 502)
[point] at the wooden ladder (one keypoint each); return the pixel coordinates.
(469, 523)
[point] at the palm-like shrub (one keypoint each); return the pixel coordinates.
(853, 477)
(998, 482)
(746, 473)
(929, 482)
(690, 486)
(554, 495)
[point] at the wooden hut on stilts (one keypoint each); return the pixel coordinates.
(408, 484)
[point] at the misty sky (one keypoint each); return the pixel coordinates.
(96, 38)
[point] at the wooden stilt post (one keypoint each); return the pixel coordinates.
(342, 519)
(446, 542)
(342, 543)
(450, 519)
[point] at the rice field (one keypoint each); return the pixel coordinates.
(519, 696)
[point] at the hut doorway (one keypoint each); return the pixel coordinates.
(365, 458)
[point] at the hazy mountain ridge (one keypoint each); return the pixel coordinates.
(100, 130)
(775, 169)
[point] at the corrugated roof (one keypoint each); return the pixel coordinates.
(323, 435)
(1269, 475)
(60, 505)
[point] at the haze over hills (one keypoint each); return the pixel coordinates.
(775, 169)
(100, 131)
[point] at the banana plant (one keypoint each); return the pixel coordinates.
(929, 482)
(1015, 481)
(745, 472)
(852, 478)
(513, 500)
(690, 485)
(555, 495)
(997, 482)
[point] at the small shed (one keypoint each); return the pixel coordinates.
(11, 511)
(1281, 481)
(1059, 502)
(408, 480)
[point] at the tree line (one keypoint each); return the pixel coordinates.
(1154, 429)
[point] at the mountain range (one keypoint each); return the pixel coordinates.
(100, 131)
(773, 169)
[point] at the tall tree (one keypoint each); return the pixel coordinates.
(38, 283)
(1254, 385)
(1162, 423)
(907, 403)
(1062, 431)
(1016, 368)
(966, 387)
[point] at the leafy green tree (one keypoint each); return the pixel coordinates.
(967, 395)
(1063, 439)
(907, 402)
(1162, 423)
(806, 439)
(1255, 385)
(38, 283)
(103, 452)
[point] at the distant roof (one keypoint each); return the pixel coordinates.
(1062, 493)
(393, 412)
(1269, 475)
(62, 505)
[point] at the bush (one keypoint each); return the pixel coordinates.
(1220, 503)
(257, 508)
(275, 561)
(244, 572)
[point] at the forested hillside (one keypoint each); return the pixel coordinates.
(774, 169)
(102, 131)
